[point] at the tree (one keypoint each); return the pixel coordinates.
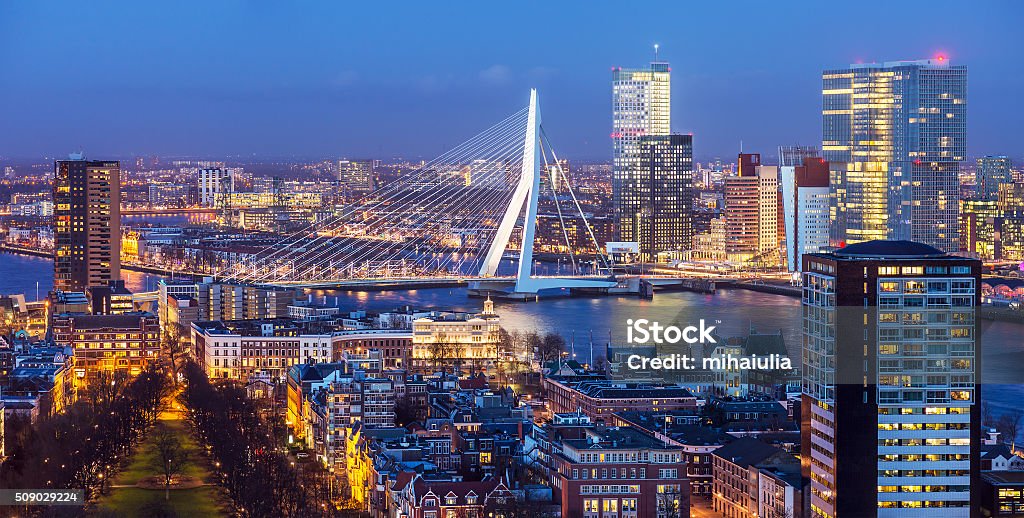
(669, 505)
(170, 457)
(1009, 423)
(174, 348)
(443, 351)
(550, 347)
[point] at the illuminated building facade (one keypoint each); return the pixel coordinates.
(895, 134)
(356, 176)
(992, 171)
(663, 192)
(980, 221)
(805, 203)
(752, 212)
(641, 106)
(444, 339)
(86, 223)
(890, 381)
(214, 183)
(125, 343)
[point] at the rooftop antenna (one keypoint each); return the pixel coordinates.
(656, 52)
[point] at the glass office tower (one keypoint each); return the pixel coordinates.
(895, 134)
(665, 195)
(641, 106)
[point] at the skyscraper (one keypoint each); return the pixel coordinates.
(86, 223)
(992, 171)
(805, 201)
(895, 134)
(752, 212)
(664, 194)
(356, 176)
(641, 106)
(891, 391)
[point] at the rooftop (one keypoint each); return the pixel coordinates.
(884, 249)
(746, 451)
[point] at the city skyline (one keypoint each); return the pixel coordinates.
(220, 81)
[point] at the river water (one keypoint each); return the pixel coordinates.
(598, 320)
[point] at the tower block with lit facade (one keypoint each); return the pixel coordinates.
(895, 134)
(891, 418)
(86, 223)
(641, 106)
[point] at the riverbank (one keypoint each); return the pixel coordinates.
(17, 250)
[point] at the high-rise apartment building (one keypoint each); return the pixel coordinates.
(891, 389)
(752, 212)
(991, 172)
(663, 191)
(895, 134)
(86, 223)
(356, 176)
(641, 106)
(214, 184)
(805, 204)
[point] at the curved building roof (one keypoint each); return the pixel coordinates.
(880, 249)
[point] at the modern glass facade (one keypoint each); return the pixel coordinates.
(641, 106)
(895, 134)
(664, 189)
(992, 171)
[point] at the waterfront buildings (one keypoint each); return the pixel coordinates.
(443, 339)
(894, 134)
(171, 195)
(805, 208)
(891, 405)
(752, 212)
(641, 106)
(108, 344)
(991, 172)
(86, 223)
(663, 195)
(214, 184)
(994, 229)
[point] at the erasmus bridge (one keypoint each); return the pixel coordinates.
(451, 219)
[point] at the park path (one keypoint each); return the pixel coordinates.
(126, 498)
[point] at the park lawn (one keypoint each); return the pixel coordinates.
(134, 501)
(142, 465)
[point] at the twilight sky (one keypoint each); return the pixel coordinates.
(267, 79)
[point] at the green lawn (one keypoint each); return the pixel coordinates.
(134, 501)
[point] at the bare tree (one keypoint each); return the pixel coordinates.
(550, 347)
(174, 348)
(669, 504)
(1009, 423)
(170, 457)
